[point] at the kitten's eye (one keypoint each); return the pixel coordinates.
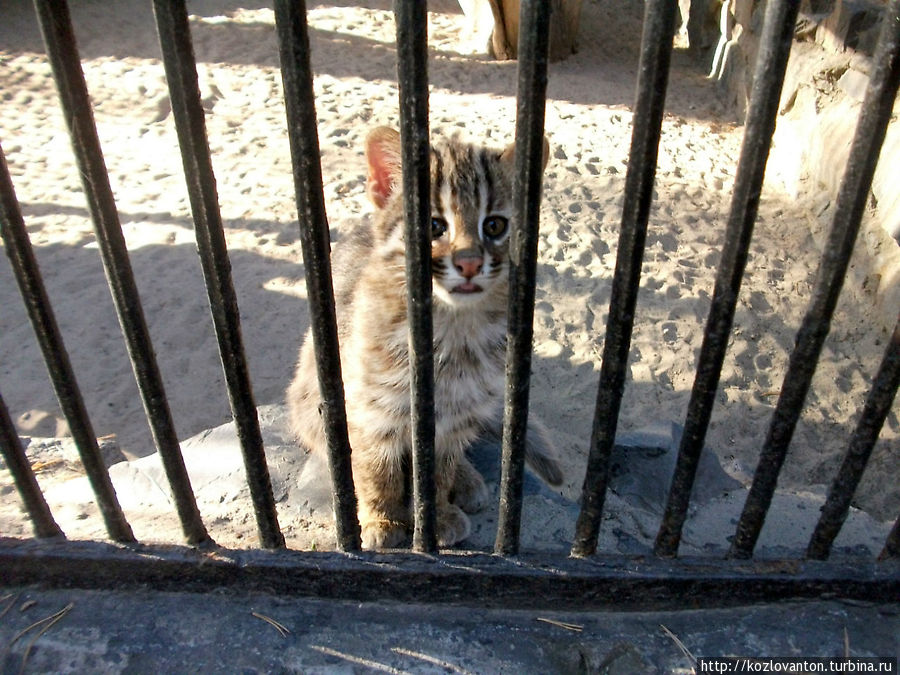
(494, 226)
(438, 227)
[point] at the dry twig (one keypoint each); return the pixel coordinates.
(272, 622)
(52, 621)
(446, 665)
(48, 465)
(12, 601)
(47, 623)
(680, 644)
(562, 624)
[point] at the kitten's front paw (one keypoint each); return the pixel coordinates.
(452, 526)
(470, 493)
(382, 534)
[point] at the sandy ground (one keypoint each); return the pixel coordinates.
(588, 125)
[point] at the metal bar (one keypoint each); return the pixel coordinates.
(851, 200)
(653, 78)
(877, 407)
(412, 77)
(28, 276)
(59, 38)
(472, 579)
(533, 48)
(771, 62)
(296, 74)
(892, 545)
(184, 91)
(17, 462)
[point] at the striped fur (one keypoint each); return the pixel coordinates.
(471, 207)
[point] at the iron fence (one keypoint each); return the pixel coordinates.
(587, 577)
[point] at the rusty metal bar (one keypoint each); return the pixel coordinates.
(28, 276)
(653, 78)
(874, 117)
(296, 74)
(412, 77)
(771, 62)
(17, 462)
(877, 407)
(533, 48)
(892, 544)
(184, 92)
(59, 38)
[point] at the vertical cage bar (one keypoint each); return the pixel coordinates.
(59, 38)
(851, 200)
(771, 62)
(875, 411)
(870, 131)
(412, 77)
(534, 23)
(17, 462)
(891, 548)
(28, 276)
(184, 91)
(296, 74)
(653, 78)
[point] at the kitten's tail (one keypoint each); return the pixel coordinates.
(540, 452)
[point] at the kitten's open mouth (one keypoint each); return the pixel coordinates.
(467, 287)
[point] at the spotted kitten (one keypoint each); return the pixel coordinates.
(470, 228)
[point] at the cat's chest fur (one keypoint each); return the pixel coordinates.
(469, 350)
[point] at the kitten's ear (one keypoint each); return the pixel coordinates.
(383, 157)
(509, 155)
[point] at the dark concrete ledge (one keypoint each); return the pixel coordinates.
(533, 581)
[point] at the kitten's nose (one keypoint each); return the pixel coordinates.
(468, 264)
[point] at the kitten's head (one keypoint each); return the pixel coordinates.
(471, 212)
